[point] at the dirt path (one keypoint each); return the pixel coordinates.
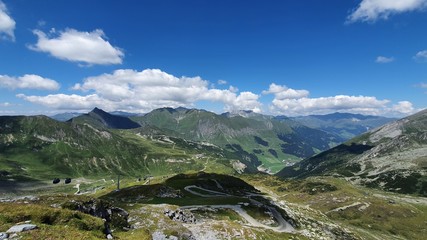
(214, 193)
(284, 226)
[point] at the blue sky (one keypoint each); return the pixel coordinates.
(274, 57)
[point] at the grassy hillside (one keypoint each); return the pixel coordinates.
(392, 157)
(259, 139)
(41, 148)
(318, 208)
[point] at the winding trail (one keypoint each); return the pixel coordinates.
(78, 189)
(283, 226)
(214, 193)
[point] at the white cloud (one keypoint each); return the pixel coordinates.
(7, 24)
(67, 102)
(421, 55)
(382, 59)
(372, 10)
(305, 106)
(292, 102)
(222, 82)
(28, 81)
(5, 104)
(423, 85)
(142, 91)
(404, 107)
(233, 89)
(82, 47)
(283, 92)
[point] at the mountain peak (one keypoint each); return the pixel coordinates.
(96, 109)
(100, 117)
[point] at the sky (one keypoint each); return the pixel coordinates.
(296, 57)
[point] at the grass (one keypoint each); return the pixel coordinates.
(383, 217)
(52, 223)
(217, 214)
(260, 214)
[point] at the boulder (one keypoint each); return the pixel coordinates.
(3, 235)
(180, 216)
(21, 228)
(56, 180)
(115, 216)
(67, 180)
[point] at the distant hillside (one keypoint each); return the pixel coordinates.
(345, 125)
(98, 117)
(392, 157)
(259, 139)
(63, 117)
(38, 147)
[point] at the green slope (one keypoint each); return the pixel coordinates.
(392, 157)
(259, 139)
(42, 148)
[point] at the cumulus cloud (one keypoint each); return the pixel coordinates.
(81, 47)
(382, 59)
(67, 102)
(293, 102)
(404, 107)
(7, 24)
(28, 81)
(343, 103)
(143, 91)
(421, 55)
(372, 10)
(283, 92)
(222, 82)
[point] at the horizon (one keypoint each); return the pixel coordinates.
(199, 109)
(274, 58)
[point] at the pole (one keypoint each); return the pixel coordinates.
(118, 182)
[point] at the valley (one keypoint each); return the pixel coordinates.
(192, 174)
(221, 207)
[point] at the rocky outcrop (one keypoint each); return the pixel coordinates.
(180, 216)
(168, 192)
(114, 216)
(21, 228)
(4, 235)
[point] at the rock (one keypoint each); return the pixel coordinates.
(161, 236)
(56, 180)
(180, 216)
(168, 192)
(115, 216)
(21, 228)
(3, 235)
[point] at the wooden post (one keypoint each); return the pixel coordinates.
(118, 182)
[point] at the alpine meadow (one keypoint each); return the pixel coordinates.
(205, 120)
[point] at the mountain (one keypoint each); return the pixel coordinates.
(258, 139)
(38, 147)
(98, 117)
(63, 117)
(392, 157)
(345, 125)
(125, 114)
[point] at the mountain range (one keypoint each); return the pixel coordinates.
(99, 142)
(345, 125)
(392, 157)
